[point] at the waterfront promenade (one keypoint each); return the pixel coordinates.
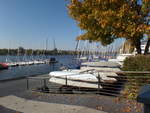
(14, 97)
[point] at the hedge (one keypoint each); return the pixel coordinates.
(136, 63)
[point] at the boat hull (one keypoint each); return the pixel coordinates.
(75, 83)
(3, 66)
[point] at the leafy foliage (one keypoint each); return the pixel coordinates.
(106, 20)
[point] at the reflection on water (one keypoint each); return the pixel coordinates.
(28, 70)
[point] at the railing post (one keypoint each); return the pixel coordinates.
(44, 83)
(66, 81)
(99, 79)
(27, 83)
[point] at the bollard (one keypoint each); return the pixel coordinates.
(144, 97)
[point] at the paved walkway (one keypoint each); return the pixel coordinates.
(30, 106)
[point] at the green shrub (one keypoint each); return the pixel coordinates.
(137, 63)
(135, 81)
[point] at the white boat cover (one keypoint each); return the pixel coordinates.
(88, 72)
(102, 69)
(61, 73)
(101, 64)
(81, 77)
(80, 80)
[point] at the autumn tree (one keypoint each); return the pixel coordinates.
(107, 20)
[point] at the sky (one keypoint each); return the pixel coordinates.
(28, 23)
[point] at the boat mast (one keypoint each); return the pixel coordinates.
(7, 55)
(77, 49)
(46, 47)
(54, 44)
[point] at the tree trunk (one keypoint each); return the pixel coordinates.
(138, 46)
(147, 47)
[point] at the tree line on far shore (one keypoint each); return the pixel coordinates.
(22, 51)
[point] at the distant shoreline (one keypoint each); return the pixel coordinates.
(21, 51)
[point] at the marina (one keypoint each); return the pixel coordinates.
(46, 61)
(87, 74)
(28, 70)
(74, 56)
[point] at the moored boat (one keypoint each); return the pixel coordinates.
(89, 73)
(74, 79)
(120, 58)
(3, 66)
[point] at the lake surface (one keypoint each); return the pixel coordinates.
(28, 70)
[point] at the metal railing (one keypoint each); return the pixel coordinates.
(131, 79)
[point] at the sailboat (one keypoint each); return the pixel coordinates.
(8, 62)
(88, 75)
(75, 79)
(123, 54)
(52, 59)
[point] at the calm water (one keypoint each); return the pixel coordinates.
(28, 70)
